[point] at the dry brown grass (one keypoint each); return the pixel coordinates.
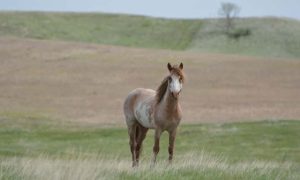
(88, 83)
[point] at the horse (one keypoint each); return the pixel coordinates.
(160, 110)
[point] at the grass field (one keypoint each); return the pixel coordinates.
(270, 37)
(64, 77)
(35, 147)
(99, 28)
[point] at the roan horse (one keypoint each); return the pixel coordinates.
(160, 110)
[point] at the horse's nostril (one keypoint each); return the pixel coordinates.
(175, 94)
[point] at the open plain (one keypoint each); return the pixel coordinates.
(64, 77)
(88, 82)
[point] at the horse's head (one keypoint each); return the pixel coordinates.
(176, 79)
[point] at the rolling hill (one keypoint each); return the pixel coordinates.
(270, 37)
(88, 82)
(64, 77)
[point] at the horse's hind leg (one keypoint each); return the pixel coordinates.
(132, 142)
(140, 136)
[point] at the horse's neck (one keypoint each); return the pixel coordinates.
(170, 104)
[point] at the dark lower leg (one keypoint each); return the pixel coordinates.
(133, 153)
(156, 145)
(172, 136)
(132, 143)
(141, 137)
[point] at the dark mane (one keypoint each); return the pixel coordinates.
(161, 90)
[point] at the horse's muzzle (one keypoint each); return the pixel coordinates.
(175, 94)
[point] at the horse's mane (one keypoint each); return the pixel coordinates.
(161, 90)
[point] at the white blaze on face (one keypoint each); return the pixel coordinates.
(175, 84)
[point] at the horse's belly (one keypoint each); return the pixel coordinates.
(144, 115)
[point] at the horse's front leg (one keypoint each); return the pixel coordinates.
(156, 145)
(172, 136)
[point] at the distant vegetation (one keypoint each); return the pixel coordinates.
(228, 12)
(269, 37)
(239, 33)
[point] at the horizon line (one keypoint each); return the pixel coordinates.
(139, 15)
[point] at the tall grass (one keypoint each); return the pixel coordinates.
(189, 166)
(35, 146)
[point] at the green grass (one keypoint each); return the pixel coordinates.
(270, 37)
(36, 146)
(100, 28)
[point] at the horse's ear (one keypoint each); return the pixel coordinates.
(169, 67)
(181, 66)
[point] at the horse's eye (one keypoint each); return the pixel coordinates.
(170, 79)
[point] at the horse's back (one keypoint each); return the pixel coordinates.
(137, 99)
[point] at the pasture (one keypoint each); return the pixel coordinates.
(61, 113)
(38, 147)
(61, 97)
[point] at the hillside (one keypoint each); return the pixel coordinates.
(64, 78)
(270, 37)
(100, 28)
(88, 82)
